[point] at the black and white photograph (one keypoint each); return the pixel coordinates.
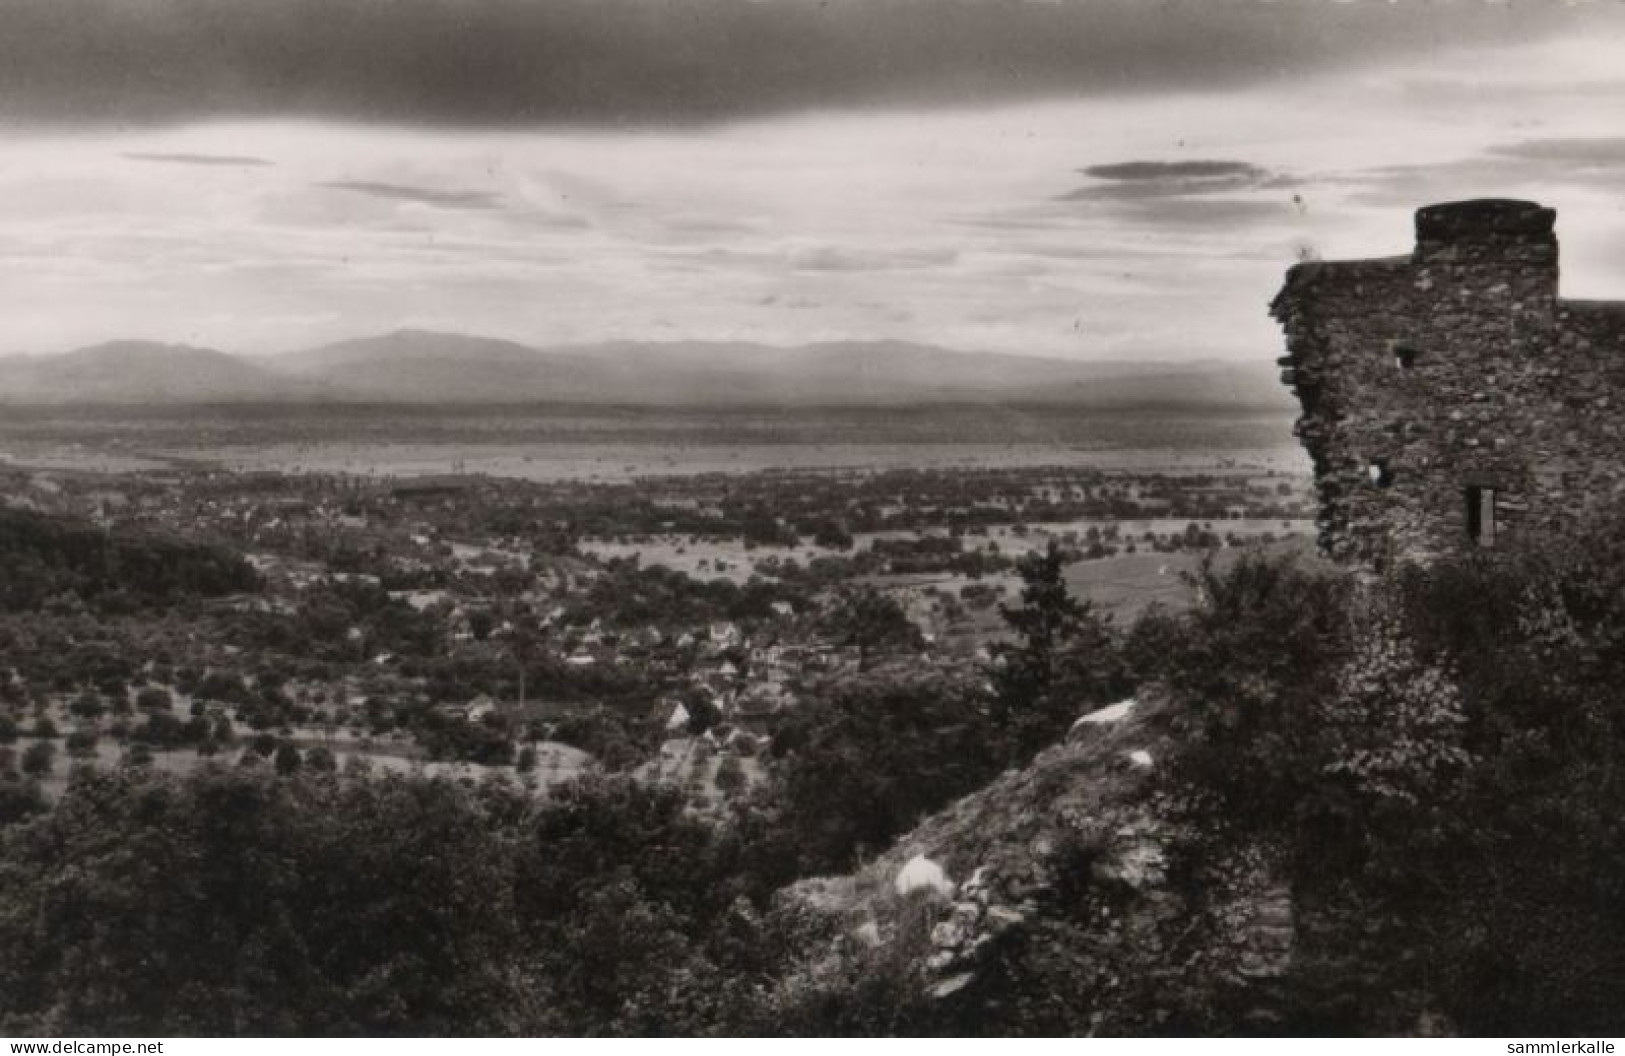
(792, 519)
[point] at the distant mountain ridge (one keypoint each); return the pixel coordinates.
(139, 372)
(423, 367)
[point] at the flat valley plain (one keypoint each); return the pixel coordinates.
(563, 442)
(456, 510)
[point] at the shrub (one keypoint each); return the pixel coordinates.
(864, 760)
(39, 759)
(81, 743)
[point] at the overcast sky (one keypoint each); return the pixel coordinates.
(1082, 178)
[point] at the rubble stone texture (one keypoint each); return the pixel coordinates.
(1086, 878)
(1450, 398)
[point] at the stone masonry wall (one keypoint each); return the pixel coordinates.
(1455, 368)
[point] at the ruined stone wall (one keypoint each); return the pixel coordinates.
(1456, 368)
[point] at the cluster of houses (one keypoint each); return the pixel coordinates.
(742, 673)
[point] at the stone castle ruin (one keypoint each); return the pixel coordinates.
(1451, 399)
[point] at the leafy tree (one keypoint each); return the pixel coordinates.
(1393, 728)
(223, 687)
(1250, 667)
(39, 758)
(57, 561)
(832, 535)
(81, 743)
(865, 760)
(453, 737)
(19, 801)
(730, 776)
(230, 902)
(1435, 757)
(164, 730)
(703, 713)
(632, 908)
(615, 740)
(870, 621)
(1513, 746)
(761, 528)
(1063, 659)
(287, 759)
(88, 705)
(156, 698)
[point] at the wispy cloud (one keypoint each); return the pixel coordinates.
(1604, 151)
(240, 160)
(416, 195)
(832, 258)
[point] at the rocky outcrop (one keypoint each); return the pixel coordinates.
(1085, 893)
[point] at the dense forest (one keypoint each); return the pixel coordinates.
(44, 558)
(1430, 756)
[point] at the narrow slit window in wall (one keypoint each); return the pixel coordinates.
(1481, 514)
(1404, 356)
(1379, 473)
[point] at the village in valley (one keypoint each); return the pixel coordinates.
(471, 626)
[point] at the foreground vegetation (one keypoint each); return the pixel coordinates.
(1431, 758)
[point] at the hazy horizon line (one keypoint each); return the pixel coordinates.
(585, 347)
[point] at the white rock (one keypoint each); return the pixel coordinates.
(921, 873)
(1140, 757)
(1109, 714)
(949, 934)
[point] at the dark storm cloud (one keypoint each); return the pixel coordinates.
(508, 62)
(415, 195)
(200, 159)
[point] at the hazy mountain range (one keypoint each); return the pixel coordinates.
(418, 367)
